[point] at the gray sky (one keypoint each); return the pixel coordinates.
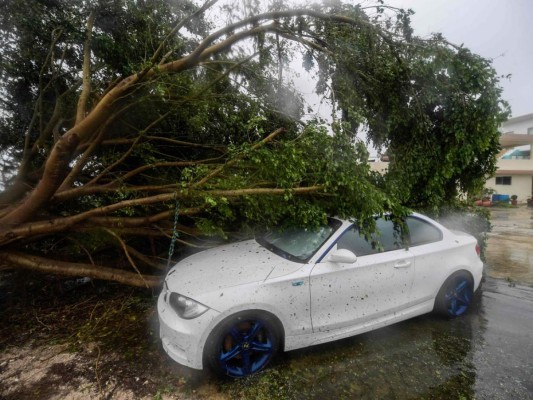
(501, 30)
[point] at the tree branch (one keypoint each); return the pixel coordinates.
(86, 87)
(128, 152)
(38, 104)
(145, 259)
(168, 164)
(237, 158)
(61, 224)
(57, 267)
(125, 248)
(181, 24)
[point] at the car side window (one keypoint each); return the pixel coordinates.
(391, 237)
(388, 237)
(422, 232)
(353, 241)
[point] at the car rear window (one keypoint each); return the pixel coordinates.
(422, 232)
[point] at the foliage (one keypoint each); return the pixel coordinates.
(115, 112)
(436, 109)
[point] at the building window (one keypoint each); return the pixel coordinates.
(503, 180)
(530, 131)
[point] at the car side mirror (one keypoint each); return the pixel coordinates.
(343, 256)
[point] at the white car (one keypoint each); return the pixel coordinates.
(232, 307)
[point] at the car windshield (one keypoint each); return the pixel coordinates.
(298, 244)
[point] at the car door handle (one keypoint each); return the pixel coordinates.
(402, 264)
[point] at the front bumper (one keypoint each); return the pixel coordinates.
(183, 339)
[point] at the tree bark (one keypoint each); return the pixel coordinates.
(45, 265)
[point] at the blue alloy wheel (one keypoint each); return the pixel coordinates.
(243, 345)
(459, 297)
(455, 296)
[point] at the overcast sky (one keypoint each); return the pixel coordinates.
(501, 30)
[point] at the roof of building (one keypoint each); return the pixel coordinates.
(509, 172)
(520, 118)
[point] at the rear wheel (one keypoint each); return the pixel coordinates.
(242, 345)
(455, 296)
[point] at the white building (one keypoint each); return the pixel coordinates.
(515, 165)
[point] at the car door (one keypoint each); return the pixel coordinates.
(378, 283)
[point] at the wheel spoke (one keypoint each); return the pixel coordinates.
(254, 331)
(235, 351)
(462, 293)
(453, 305)
(462, 298)
(262, 347)
(461, 287)
(246, 362)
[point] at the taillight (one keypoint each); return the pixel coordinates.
(478, 250)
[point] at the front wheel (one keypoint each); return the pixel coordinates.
(242, 345)
(455, 296)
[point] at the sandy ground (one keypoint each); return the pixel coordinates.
(56, 373)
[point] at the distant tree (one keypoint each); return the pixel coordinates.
(118, 117)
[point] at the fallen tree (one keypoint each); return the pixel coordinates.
(110, 150)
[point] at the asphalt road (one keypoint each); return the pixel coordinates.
(504, 360)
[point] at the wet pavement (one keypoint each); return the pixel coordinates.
(487, 354)
(510, 245)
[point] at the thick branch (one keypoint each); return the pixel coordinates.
(109, 188)
(55, 169)
(61, 224)
(46, 265)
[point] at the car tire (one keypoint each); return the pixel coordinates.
(455, 296)
(242, 344)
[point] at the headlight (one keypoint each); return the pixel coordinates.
(185, 307)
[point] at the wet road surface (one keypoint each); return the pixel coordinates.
(510, 245)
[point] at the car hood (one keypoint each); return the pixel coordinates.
(221, 267)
